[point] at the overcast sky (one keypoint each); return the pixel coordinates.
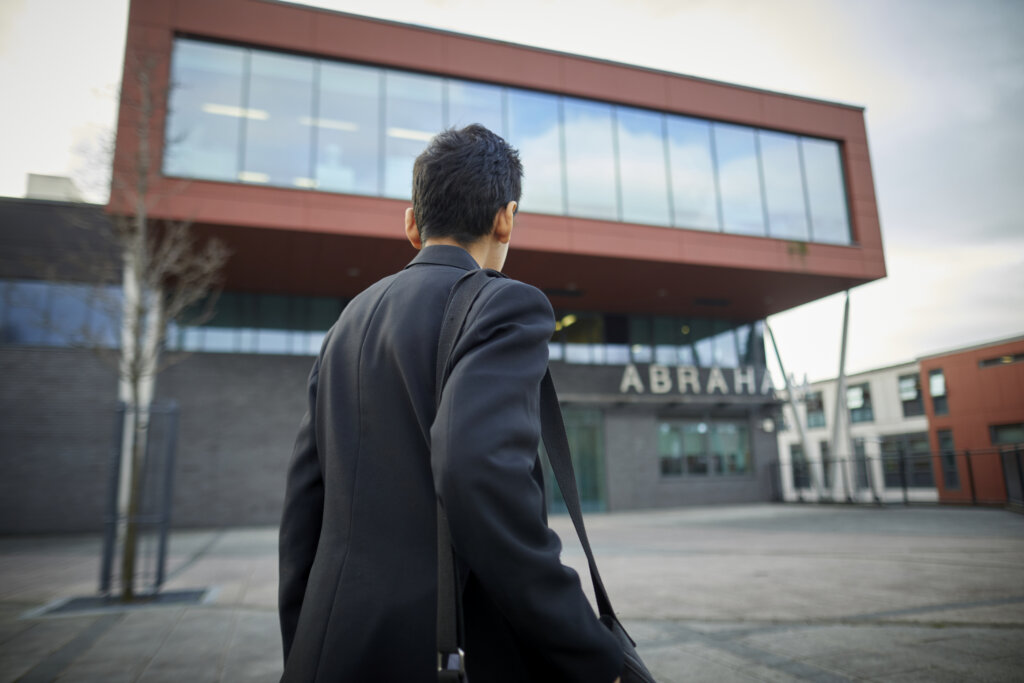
(942, 82)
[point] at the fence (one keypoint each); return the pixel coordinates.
(980, 477)
(153, 516)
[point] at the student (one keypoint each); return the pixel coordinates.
(358, 558)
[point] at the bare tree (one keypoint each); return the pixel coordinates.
(166, 272)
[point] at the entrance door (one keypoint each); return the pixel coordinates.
(585, 429)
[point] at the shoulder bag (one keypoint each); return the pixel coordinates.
(451, 658)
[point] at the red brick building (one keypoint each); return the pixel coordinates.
(665, 217)
(974, 399)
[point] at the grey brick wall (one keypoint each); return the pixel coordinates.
(56, 430)
(238, 417)
(634, 472)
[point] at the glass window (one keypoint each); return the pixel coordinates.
(475, 103)
(323, 313)
(757, 353)
(348, 129)
(26, 318)
(826, 464)
(694, 199)
(826, 192)
(533, 129)
(1009, 434)
(640, 340)
(725, 352)
(1008, 359)
(642, 166)
(696, 461)
(670, 448)
(704, 449)
(910, 395)
(667, 339)
(739, 180)
(413, 117)
(783, 186)
(947, 454)
(744, 346)
(205, 111)
(616, 337)
(105, 319)
(700, 333)
(815, 409)
(278, 134)
(906, 458)
(590, 159)
(860, 458)
(583, 334)
(730, 448)
(798, 462)
(69, 316)
(937, 388)
(858, 400)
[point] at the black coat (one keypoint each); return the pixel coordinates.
(358, 562)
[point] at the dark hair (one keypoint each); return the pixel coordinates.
(460, 182)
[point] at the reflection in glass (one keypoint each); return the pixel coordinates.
(413, 115)
(724, 344)
(583, 334)
(57, 314)
(590, 159)
(746, 356)
(738, 179)
(348, 129)
(668, 340)
(192, 338)
(783, 185)
(825, 191)
(278, 135)
(534, 130)
(227, 97)
(670, 448)
(730, 447)
(693, 179)
(26, 316)
(642, 166)
(221, 339)
(68, 315)
(699, 332)
(474, 103)
(205, 111)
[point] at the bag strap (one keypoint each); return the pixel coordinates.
(451, 664)
(557, 445)
(451, 659)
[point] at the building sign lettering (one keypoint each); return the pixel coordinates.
(689, 379)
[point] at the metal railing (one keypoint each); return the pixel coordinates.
(153, 517)
(979, 477)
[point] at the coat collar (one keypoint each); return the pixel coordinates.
(445, 255)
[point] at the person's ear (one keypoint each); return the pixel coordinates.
(412, 231)
(503, 222)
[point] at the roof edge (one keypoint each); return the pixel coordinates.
(597, 60)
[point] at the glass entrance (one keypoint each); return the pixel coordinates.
(585, 429)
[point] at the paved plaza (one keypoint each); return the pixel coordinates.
(738, 593)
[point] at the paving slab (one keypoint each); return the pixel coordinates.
(732, 593)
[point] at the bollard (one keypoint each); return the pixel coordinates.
(903, 475)
(1020, 472)
(970, 477)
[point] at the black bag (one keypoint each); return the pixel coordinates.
(450, 657)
